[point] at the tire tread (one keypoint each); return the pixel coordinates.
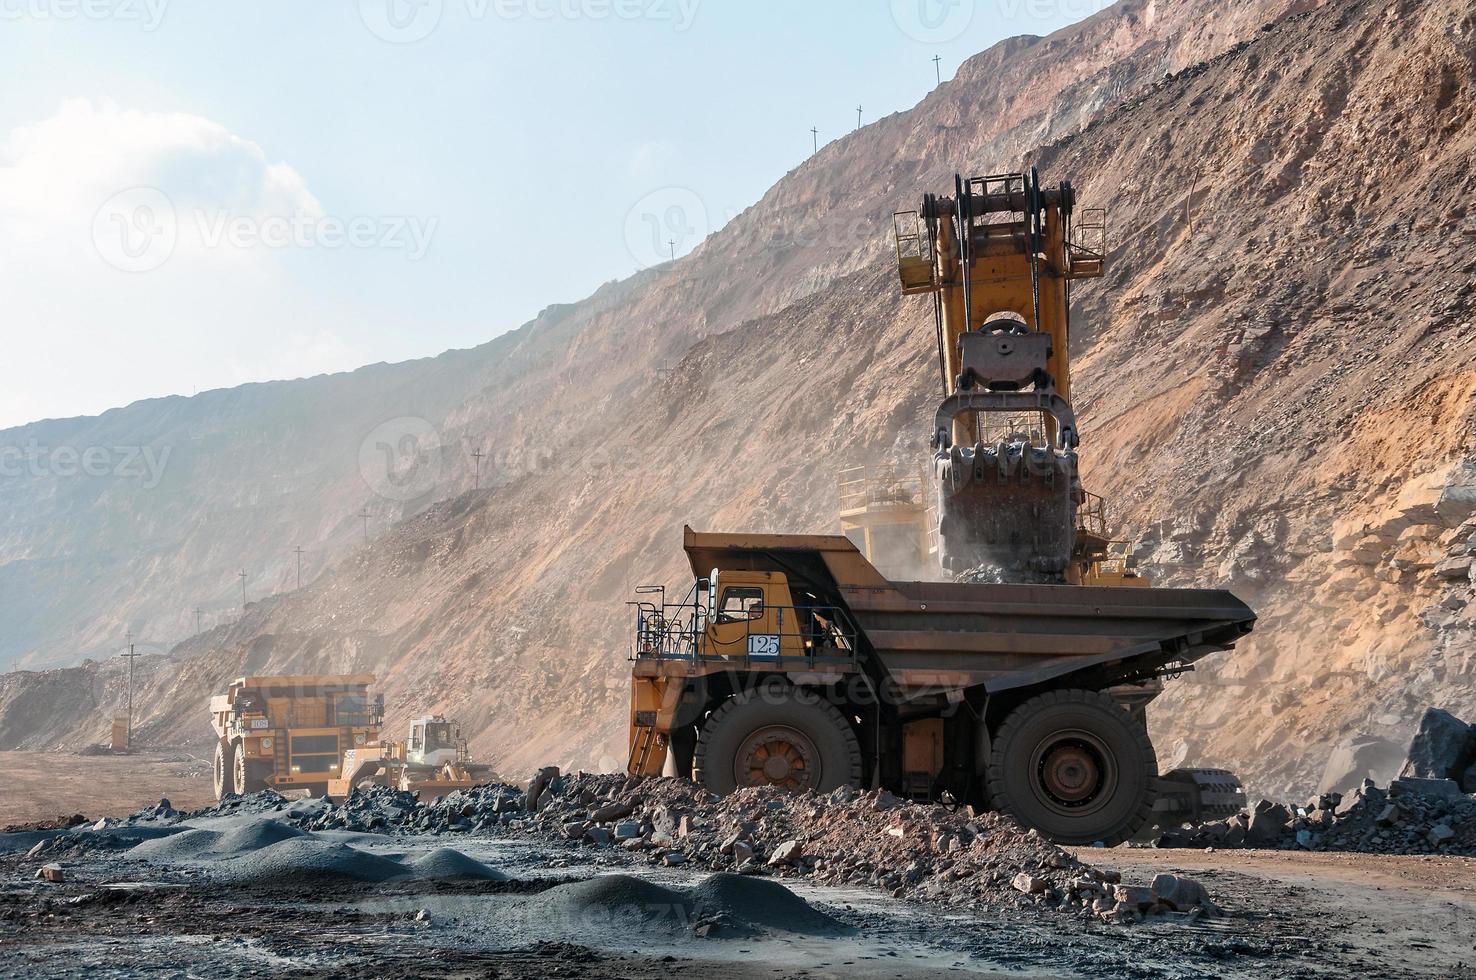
(1072, 696)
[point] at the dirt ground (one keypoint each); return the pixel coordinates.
(1289, 914)
(1380, 911)
(45, 785)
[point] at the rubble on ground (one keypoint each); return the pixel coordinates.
(925, 852)
(1430, 809)
(848, 837)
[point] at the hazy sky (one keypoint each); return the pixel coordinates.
(200, 193)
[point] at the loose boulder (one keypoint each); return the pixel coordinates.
(1357, 758)
(1181, 894)
(1443, 747)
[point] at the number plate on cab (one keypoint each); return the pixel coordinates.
(763, 645)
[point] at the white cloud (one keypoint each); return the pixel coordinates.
(69, 164)
(102, 309)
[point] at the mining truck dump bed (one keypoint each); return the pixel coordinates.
(793, 662)
(1010, 636)
(998, 636)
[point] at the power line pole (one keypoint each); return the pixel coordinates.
(672, 243)
(815, 139)
(477, 455)
(365, 514)
(242, 575)
(130, 656)
(197, 619)
(298, 552)
(858, 117)
(938, 67)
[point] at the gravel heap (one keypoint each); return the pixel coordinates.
(848, 837)
(1411, 816)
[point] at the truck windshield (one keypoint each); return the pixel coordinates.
(738, 603)
(437, 737)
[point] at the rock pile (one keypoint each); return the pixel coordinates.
(847, 837)
(1430, 809)
(1411, 816)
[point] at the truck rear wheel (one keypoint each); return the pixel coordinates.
(777, 737)
(249, 775)
(1075, 766)
(225, 769)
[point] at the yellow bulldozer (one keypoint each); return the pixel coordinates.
(433, 758)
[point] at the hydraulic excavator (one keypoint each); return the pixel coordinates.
(998, 259)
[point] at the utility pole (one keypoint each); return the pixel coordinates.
(298, 552)
(477, 455)
(365, 514)
(858, 117)
(242, 575)
(197, 619)
(1189, 203)
(130, 656)
(815, 139)
(938, 67)
(672, 243)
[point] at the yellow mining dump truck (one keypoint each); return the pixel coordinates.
(291, 733)
(434, 759)
(793, 662)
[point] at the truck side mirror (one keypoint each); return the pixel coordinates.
(756, 611)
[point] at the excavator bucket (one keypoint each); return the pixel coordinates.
(1006, 507)
(1006, 512)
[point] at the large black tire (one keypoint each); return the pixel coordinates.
(777, 736)
(225, 769)
(1076, 766)
(249, 775)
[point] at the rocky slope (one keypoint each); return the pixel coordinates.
(133, 519)
(1275, 383)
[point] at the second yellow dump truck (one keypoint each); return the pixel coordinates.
(793, 662)
(291, 732)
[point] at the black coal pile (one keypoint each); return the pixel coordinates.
(1430, 809)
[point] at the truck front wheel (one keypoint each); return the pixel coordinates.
(225, 769)
(250, 775)
(777, 737)
(1075, 766)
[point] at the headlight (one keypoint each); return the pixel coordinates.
(266, 745)
(360, 739)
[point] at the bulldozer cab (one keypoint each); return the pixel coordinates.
(433, 741)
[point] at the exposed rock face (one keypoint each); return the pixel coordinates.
(1275, 382)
